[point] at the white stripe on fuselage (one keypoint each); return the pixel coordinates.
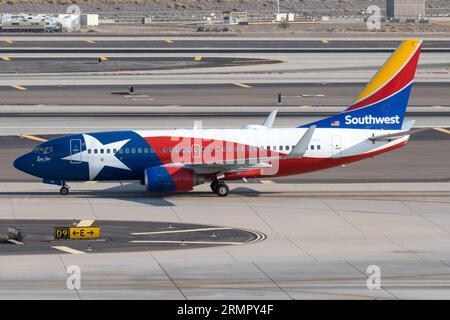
(352, 141)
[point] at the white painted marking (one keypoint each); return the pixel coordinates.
(15, 241)
(85, 223)
(266, 181)
(136, 96)
(68, 250)
(185, 242)
(178, 231)
(143, 99)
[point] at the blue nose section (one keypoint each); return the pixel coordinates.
(22, 163)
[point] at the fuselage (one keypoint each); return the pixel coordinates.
(125, 155)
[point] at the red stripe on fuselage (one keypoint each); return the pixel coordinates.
(198, 150)
(307, 164)
(283, 167)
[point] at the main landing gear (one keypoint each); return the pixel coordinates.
(64, 190)
(220, 188)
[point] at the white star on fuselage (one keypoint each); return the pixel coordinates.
(97, 161)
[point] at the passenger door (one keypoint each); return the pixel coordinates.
(75, 151)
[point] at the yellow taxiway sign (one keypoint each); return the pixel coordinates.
(76, 233)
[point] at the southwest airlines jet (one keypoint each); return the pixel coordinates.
(178, 160)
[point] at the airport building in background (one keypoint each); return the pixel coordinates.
(405, 10)
(24, 22)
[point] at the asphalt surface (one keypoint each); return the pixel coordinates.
(320, 241)
(213, 95)
(424, 159)
(118, 64)
(208, 45)
(118, 236)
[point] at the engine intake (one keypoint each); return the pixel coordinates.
(166, 178)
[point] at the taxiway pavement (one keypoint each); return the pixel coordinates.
(321, 239)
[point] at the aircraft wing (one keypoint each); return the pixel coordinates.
(249, 164)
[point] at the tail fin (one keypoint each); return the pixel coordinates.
(383, 102)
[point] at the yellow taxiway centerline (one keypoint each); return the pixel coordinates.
(242, 85)
(33, 138)
(442, 130)
(18, 87)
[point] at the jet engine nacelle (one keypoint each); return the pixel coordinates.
(166, 178)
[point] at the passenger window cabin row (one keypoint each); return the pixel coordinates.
(195, 148)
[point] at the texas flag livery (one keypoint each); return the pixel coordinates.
(178, 160)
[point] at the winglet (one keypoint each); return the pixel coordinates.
(302, 144)
(270, 119)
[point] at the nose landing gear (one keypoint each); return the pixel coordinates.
(220, 188)
(64, 190)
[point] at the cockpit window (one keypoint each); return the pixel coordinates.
(43, 150)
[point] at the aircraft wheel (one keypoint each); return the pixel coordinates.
(222, 190)
(64, 191)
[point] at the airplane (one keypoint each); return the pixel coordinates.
(178, 160)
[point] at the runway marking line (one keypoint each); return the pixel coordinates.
(85, 223)
(136, 96)
(18, 87)
(325, 41)
(68, 250)
(143, 99)
(27, 136)
(15, 242)
(6, 58)
(266, 181)
(442, 130)
(90, 41)
(168, 41)
(10, 41)
(242, 85)
(185, 242)
(179, 231)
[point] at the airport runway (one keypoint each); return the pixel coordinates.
(118, 64)
(321, 238)
(194, 98)
(203, 45)
(296, 68)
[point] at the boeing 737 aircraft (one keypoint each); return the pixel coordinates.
(178, 160)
